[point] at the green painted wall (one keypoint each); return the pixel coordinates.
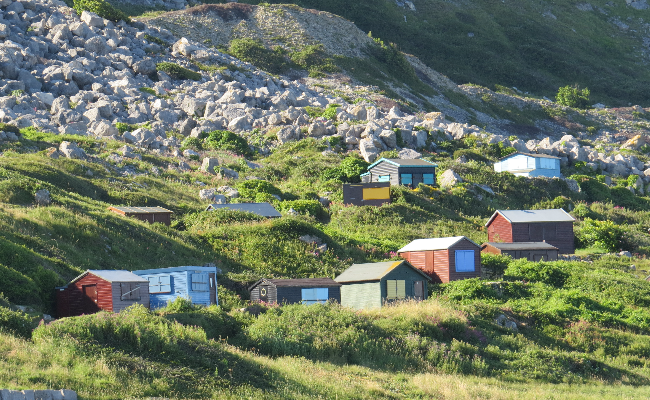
(361, 295)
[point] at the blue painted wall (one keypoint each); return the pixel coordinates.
(181, 284)
(519, 164)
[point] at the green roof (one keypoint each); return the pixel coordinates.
(371, 271)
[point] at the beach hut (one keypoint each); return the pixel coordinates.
(198, 284)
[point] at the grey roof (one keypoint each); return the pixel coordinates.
(529, 155)
(516, 216)
(304, 282)
(262, 209)
(415, 162)
(113, 276)
(433, 244)
(177, 269)
(372, 271)
(521, 246)
(140, 210)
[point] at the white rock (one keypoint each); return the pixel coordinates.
(449, 178)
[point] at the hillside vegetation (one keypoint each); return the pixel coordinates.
(588, 322)
(534, 46)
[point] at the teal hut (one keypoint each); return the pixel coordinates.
(372, 285)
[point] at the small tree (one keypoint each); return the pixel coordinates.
(573, 96)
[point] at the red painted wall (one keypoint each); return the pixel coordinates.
(73, 301)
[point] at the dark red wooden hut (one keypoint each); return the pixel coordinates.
(554, 226)
(147, 214)
(96, 290)
(444, 259)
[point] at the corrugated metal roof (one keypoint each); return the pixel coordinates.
(140, 210)
(521, 246)
(112, 276)
(433, 244)
(517, 216)
(417, 162)
(262, 209)
(304, 282)
(530, 155)
(176, 269)
(372, 271)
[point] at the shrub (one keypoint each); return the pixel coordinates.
(330, 111)
(468, 289)
(348, 171)
(191, 143)
(603, 234)
(101, 8)
(573, 96)
(550, 273)
(147, 90)
(495, 264)
(254, 52)
(251, 188)
(311, 207)
(582, 211)
(17, 323)
(314, 59)
(314, 112)
(177, 72)
(226, 140)
(470, 155)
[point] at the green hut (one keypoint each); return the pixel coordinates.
(375, 284)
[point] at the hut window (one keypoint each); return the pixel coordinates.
(427, 179)
(160, 284)
(130, 291)
(395, 289)
(407, 179)
(464, 260)
(383, 178)
(200, 282)
(547, 163)
(315, 295)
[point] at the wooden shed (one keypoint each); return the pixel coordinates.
(529, 165)
(401, 172)
(199, 284)
(96, 290)
(262, 209)
(366, 194)
(532, 251)
(372, 285)
(553, 226)
(444, 259)
(148, 214)
(289, 291)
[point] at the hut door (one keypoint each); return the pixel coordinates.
(264, 293)
(213, 288)
(418, 290)
(90, 299)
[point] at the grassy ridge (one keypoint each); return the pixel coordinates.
(535, 47)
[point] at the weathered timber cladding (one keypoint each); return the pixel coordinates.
(180, 281)
(500, 230)
(78, 303)
(440, 267)
(558, 234)
(405, 273)
(272, 294)
(120, 304)
(289, 291)
(164, 218)
(364, 295)
(290, 295)
(439, 263)
(385, 167)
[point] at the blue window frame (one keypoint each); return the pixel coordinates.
(383, 178)
(315, 295)
(465, 261)
(407, 179)
(160, 284)
(427, 179)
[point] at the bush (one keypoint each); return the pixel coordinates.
(470, 155)
(495, 264)
(17, 323)
(177, 72)
(468, 289)
(251, 188)
(314, 59)
(550, 273)
(254, 52)
(311, 207)
(330, 111)
(147, 90)
(348, 171)
(101, 8)
(226, 140)
(573, 96)
(9, 128)
(603, 234)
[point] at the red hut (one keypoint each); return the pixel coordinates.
(96, 290)
(444, 259)
(147, 214)
(554, 226)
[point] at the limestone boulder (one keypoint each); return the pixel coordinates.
(449, 178)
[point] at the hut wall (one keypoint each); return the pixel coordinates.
(363, 295)
(500, 230)
(121, 302)
(79, 304)
(464, 245)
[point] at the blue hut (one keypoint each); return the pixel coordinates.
(199, 284)
(530, 165)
